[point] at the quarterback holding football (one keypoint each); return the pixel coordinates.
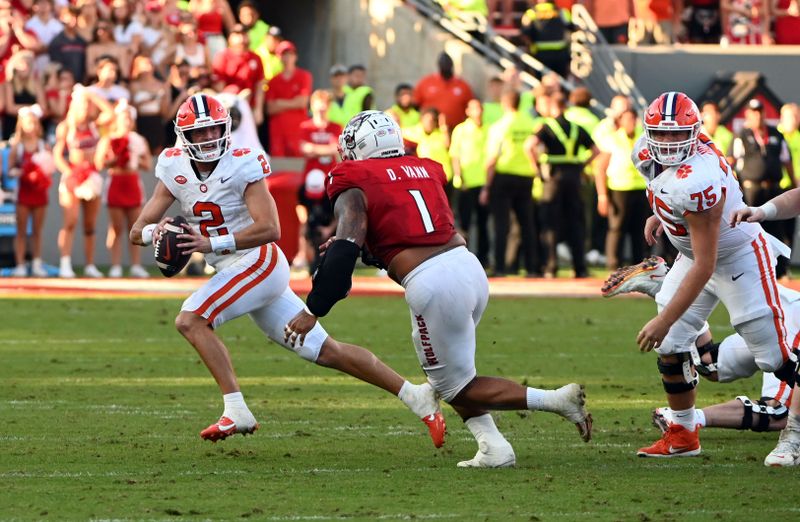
(232, 219)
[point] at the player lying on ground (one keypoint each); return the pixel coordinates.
(234, 222)
(693, 194)
(724, 362)
(396, 206)
(785, 206)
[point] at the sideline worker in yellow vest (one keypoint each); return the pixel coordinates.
(468, 156)
(546, 29)
(403, 112)
(719, 134)
(510, 168)
(561, 166)
(621, 193)
(433, 139)
(336, 112)
(358, 96)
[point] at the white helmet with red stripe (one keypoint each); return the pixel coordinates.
(671, 125)
(198, 112)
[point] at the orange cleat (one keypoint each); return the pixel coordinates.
(677, 441)
(224, 428)
(437, 428)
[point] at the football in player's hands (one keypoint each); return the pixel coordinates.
(169, 258)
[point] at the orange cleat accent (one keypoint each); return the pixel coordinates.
(677, 441)
(437, 428)
(224, 428)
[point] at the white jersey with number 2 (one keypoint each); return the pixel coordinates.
(214, 206)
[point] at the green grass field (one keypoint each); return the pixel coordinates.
(102, 402)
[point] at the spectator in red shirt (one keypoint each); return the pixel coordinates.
(287, 103)
(237, 69)
(13, 35)
(445, 92)
(319, 141)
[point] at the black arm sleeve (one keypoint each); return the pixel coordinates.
(334, 277)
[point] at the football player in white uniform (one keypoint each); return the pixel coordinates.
(234, 222)
(785, 206)
(725, 362)
(693, 194)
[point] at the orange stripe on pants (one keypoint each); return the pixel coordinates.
(262, 256)
(273, 262)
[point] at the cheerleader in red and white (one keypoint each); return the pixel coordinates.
(81, 185)
(32, 164)
(123, 152)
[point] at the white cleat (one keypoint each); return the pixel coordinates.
(93, 272)
(115, 272)
(787, 452)
(20, 271)
(499, 456)
(662, 417)
(569, 401)
(645, 277)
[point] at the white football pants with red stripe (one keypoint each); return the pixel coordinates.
(748, 289)
(256, 284)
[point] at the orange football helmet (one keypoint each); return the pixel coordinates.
(198, 112)
(671, 126)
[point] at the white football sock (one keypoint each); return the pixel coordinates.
(484, 428)
(685, 418)
(538, 399)
(700, 418)
(793, 422)
(234, 401)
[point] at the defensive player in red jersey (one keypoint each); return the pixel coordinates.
(396, 207)
(234, 222)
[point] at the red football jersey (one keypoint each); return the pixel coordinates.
(406, 203)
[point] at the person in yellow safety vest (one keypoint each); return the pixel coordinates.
(603, 130)
(403, 112)
(788, 126)
(492, 111)
(719, 134)
(622, 194)
(579, 112)
(561, 167)
(250, 17)
(510, 168)
(336, 113)
(358, 96)
(546, 30)
(465, 7)
(271, 62)
(468, 156)
(433, 139)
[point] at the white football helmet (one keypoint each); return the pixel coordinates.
(371, 134)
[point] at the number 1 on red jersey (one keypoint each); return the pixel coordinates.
(427, 222)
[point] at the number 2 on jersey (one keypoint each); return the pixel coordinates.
(203, 209)
(427, 222)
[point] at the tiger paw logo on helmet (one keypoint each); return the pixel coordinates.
(683, 171)
(644, 155)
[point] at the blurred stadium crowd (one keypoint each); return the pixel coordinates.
(89, 90)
